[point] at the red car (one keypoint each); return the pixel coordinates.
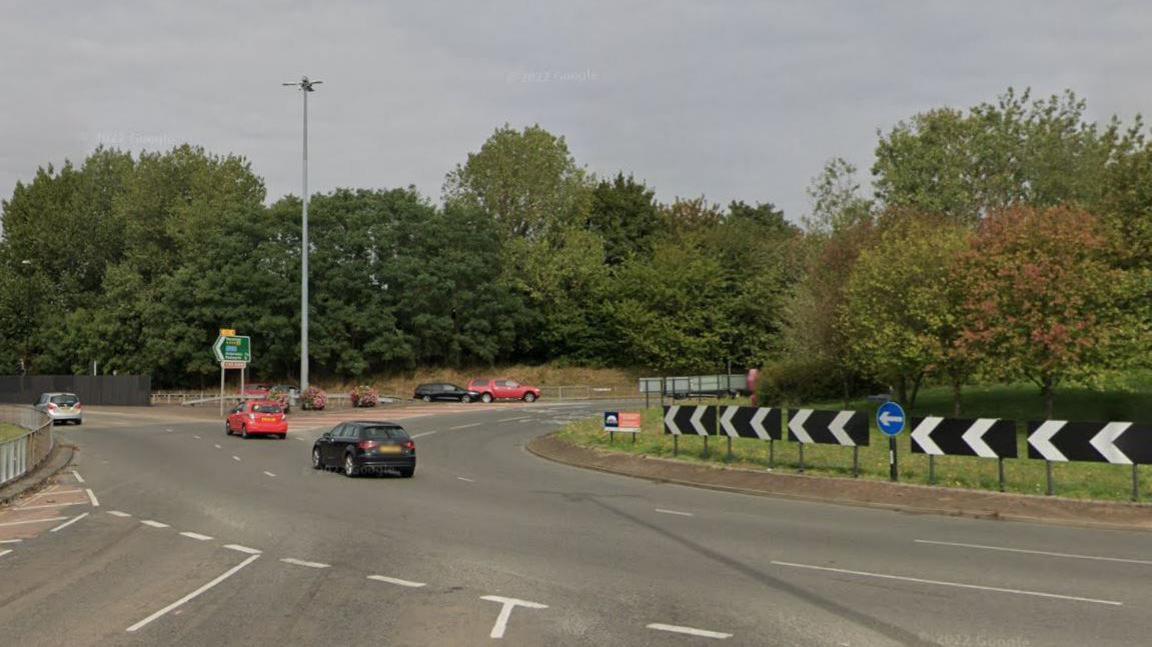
(256, 418)
(259, 389)
(490, 390)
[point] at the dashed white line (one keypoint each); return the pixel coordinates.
(195, 436)
(702, 633)
(5, 552)
(1035, 552)
(197, 536)
(421, 435)
(117, 513)
(518, 419)
(229, 573)
(676, 512)
(69, 522)
(10, 541)
(79, 479)
(236, 458)
(243, 549)
(93, 499)
(298, 437)
(24, 523)
(269, 474)
(474, 424)
(958, 585)
(168, 431)
(216, 446)
(154, 524)
(396, 581)
(300, 562)
(506, 611)
(464, 479)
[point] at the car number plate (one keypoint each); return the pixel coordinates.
(267, 420)
(388, 449)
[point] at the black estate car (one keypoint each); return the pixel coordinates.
(365, 445)
(441, 391)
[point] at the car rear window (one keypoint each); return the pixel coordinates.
(267, 408)
(382, 431)
(67, 400)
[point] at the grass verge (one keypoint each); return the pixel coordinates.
(9, 431)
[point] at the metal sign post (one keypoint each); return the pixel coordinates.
(890, 419)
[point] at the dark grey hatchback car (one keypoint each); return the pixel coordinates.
(365, 445)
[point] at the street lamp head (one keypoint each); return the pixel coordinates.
(305, 84)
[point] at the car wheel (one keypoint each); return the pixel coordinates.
(529, 397)
(350, 469)
(427, 398)
(227, 429)
(79, 422)
(316, 464)
(465, 399)
(486, 398)
(244, 432)
(407, 472)
(283, 436)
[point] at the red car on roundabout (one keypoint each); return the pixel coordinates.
(257, 418)
(503, 389)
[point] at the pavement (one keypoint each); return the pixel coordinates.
(193, 537)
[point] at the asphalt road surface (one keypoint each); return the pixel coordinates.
(168, 532)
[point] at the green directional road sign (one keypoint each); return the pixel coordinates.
(233, 349)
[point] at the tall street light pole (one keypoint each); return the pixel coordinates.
(306, 86)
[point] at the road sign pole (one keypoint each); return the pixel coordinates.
(1000, 470)
(242, 372)
(801, 458)
(705, 446)
(771, 453)
(675, 445)
(855, 461)
(893, 461)
(931, 469)
(729, 457)
(1135, 482)
(1048, 470)
(221, 390)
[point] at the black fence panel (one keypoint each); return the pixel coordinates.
(120, 390)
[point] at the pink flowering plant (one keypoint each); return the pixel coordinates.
(364, 396)
(314, 399)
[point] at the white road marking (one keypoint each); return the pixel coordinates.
(300, 562)
(48, 505)
(464, 479)
(298, 438)
(703, 633)
(243, 549)
(10, 541)
(676, 512)
(92, 498)
(5, 552)
(269, 474)
(117, 513)
(506, 611)
(512, 419)
(154, 524)
(398, 582)
(216, 446)
(69, 522)
(23, 523)
(1036, 552)
(958, 585)
(228, 573)
(474, 424)
(426, 433)
(197, 536)
(236, 458)
(168, 430)
(79, 479)
(47, 492)
(195, 436)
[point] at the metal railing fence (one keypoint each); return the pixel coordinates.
(22, 454)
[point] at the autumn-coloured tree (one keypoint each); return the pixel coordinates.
(1041, 297)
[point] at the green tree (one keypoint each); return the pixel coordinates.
(624, 213)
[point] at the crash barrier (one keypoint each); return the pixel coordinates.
(113, 390)
(22, 454)
(1117, 443)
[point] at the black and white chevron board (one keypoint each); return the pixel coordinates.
(1119, 443)
(751, 422)
(847, 428)
(690, 420)
(982, 437)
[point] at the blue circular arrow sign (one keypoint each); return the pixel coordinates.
(890, 419)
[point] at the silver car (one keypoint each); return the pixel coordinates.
(61, 407)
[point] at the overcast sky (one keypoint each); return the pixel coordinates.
(732, 100)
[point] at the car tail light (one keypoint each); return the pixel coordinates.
(77, 406)
(368, 444)
(410, 445)
(51, 406)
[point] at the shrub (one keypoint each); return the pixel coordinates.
(798, 381)
(314, 399)
(364, 396)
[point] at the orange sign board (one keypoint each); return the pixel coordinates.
(622, 421)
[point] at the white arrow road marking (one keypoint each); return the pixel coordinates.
(398, 582)
(696, 423)
(1105, 442)
(1041, 439)
(975, 437)
(796, 425)
(506, 611)
(958, 585)
(69, 522)
(838, 430)
(670, 419)
(758, 423)
(726, 421)
(702, 633)
(227, 574)
(922, 435)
